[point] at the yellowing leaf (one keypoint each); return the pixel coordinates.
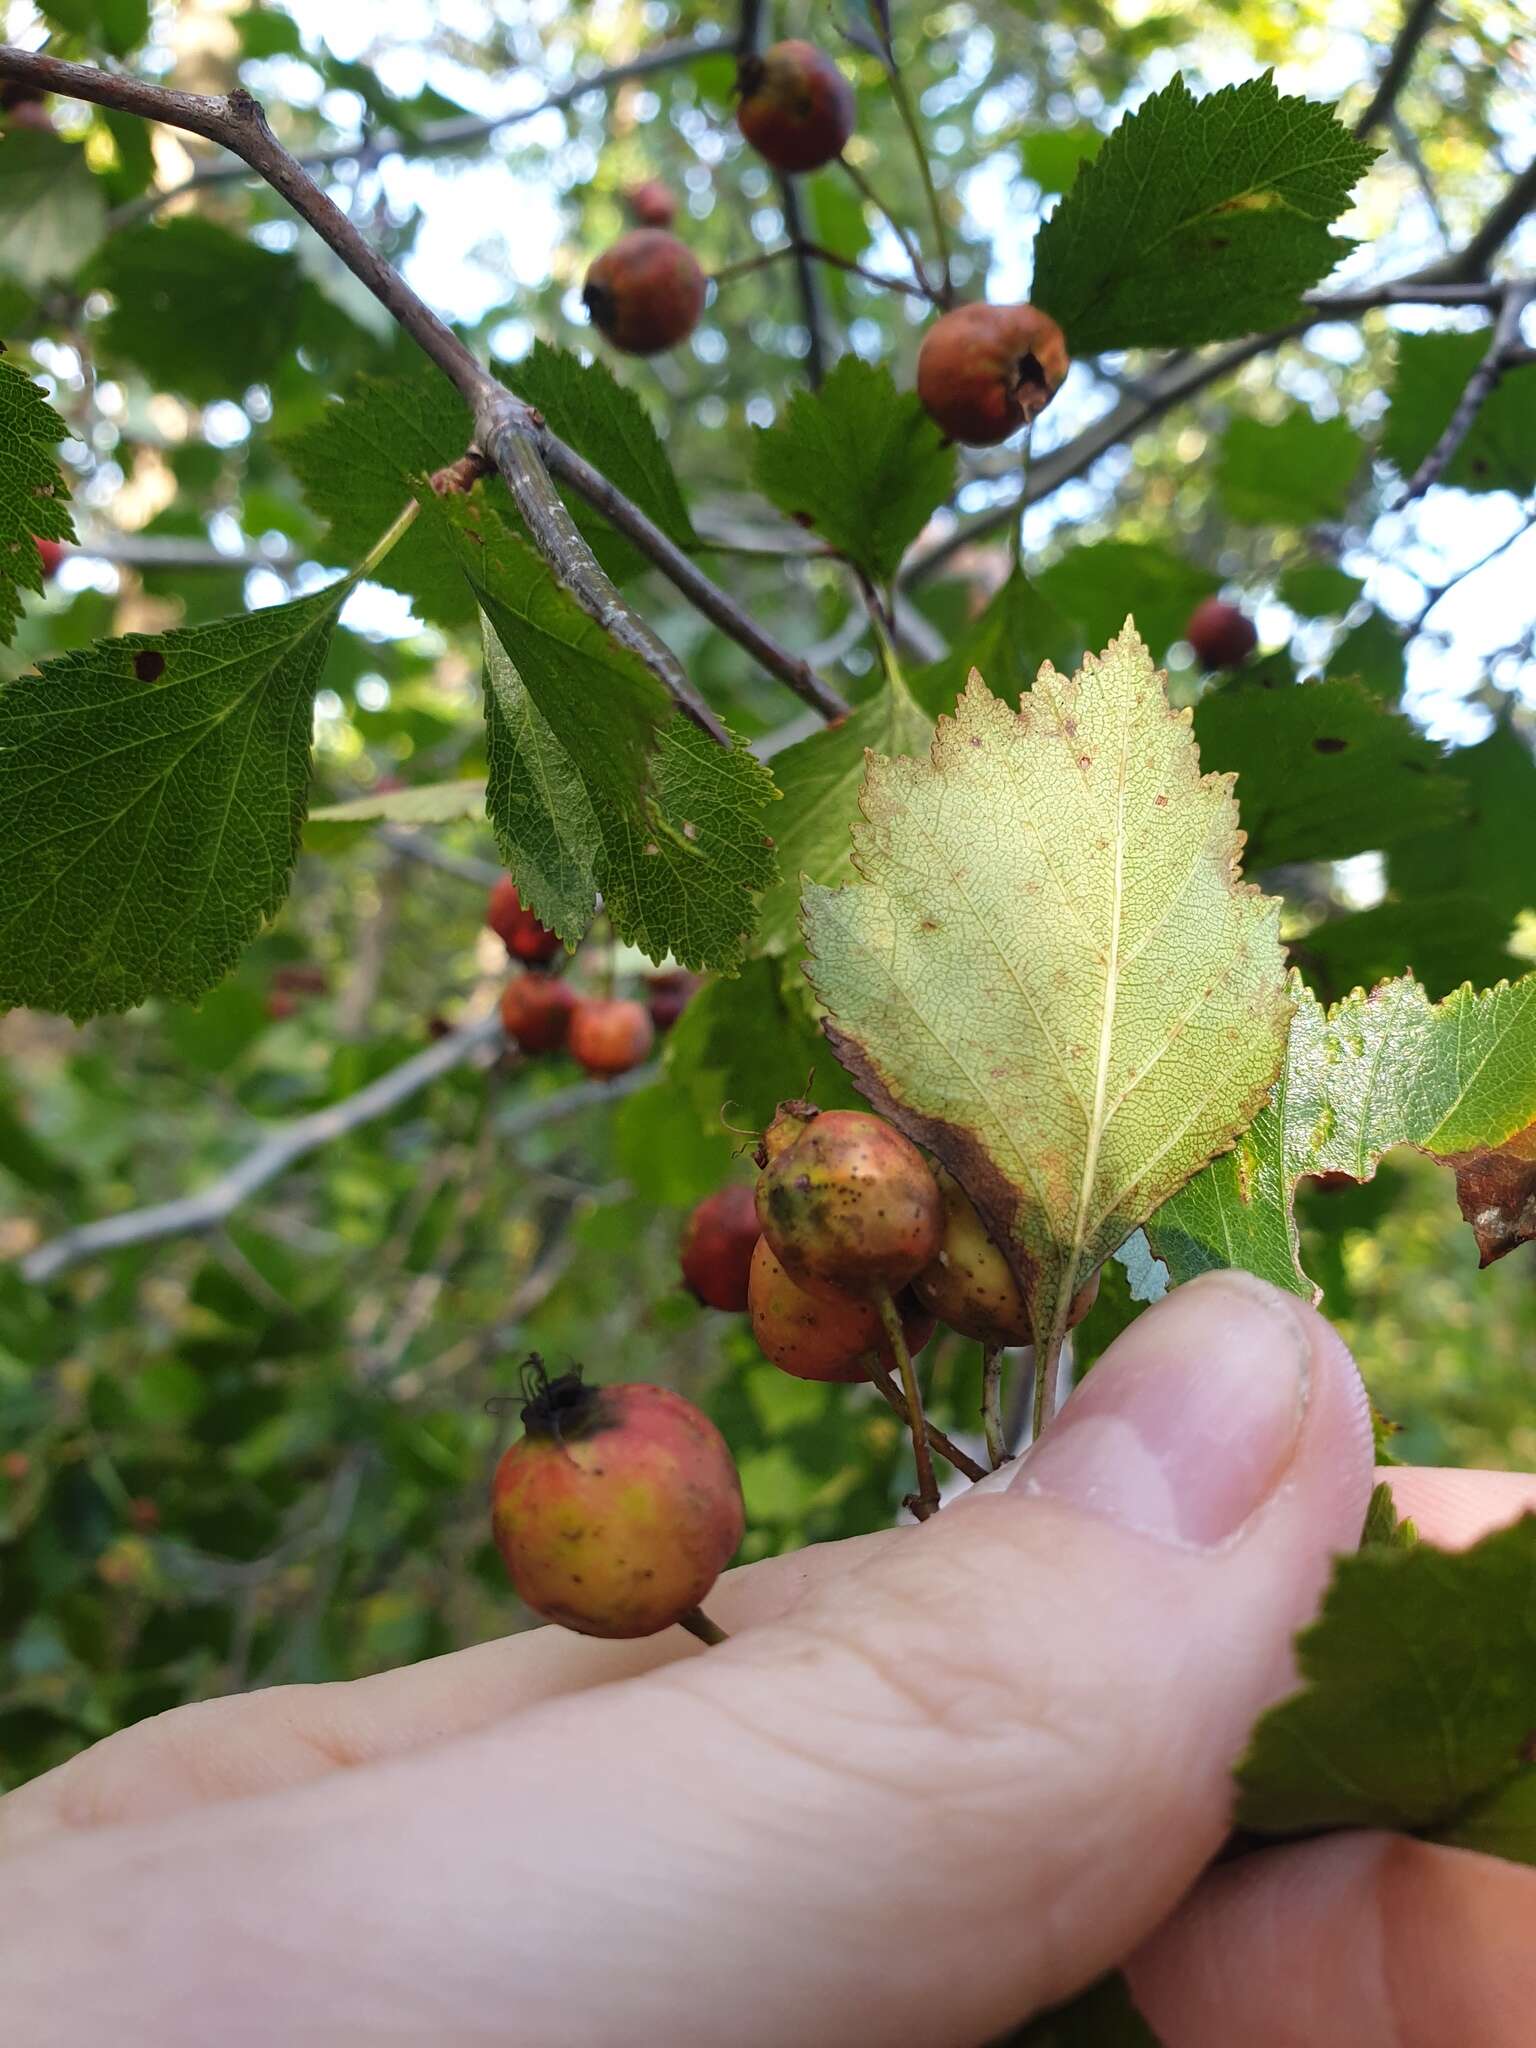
(1050, 973)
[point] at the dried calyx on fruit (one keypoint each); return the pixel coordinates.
(646, 292)
(848, 1205)
(969, 1285)
(517, 928)
(618, 1509)
(536, 1012)
(717, 1246)
(823, 1336)
(984, 371)
(1221, 635)
(796, 107)
(609, 1035)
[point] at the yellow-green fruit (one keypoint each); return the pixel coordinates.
(970, 1285)
(619, 1508)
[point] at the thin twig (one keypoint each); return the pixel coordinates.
(1443, 590)
(189, 1215)
(909, 247)
(1502, 219)
(419, 846)
(807, 283)
(1408, 149)
(881, 278)
(1416, 25)
(456, 132)
(904, 107)
(962, 1460)
(1480, 387)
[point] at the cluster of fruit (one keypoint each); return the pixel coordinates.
(620, 1506)
(542, 1013)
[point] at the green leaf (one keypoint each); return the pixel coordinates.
(1499, 452)
(1053, 157)
(1095, 586)
(152, 794)
(1291, 471)
(1323, 769)
(1319, 591)
(1375, 652)
(1019, 629)
(34, 499)
(425, 803)
(53, 213)
(1442, 937)
(1420, 1693)
(546, 830)
(743, 1046)
(859, 462)
(1201, 220)
(199, 310)
(1456, 1078)
(819, 781)
(118, 26)
(682, 843)
(605, 421)
(1501, 1824)
(1049, 973)
(355, 463)
(1489, 850)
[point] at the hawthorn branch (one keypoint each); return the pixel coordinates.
(1503, 218)
(1479, 389)
(191, 1215)
(807, 283)
(456, 132)
(1417, 23)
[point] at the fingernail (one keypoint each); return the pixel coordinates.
(1187, 1424)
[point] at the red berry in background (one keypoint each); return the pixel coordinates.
(823, 1336)
(645, 293)
(669, 994)
(650, 203)
(299, 979)
(796, 109)
(970, 1285)
(618, 1509)
(984, 371)
(848, 1204)
(609, 1035)
(1220, 634)
(518, 929)
(144, 1513)
(536, 1012)
(25, 106)
(281, 1004)
(716, 1251)
(50, 553)
(15, 1465)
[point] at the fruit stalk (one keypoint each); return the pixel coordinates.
(926, 1500)
(698, 1624)
(962, 1461)
(992, 1404)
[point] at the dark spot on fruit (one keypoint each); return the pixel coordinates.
(149, 666)
(1326, 745)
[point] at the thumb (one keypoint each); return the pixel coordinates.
(960, 1779)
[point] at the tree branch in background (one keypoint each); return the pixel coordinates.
(870, 197)
(189, 1215)
(1416, 25)
(1503, 218)
(1479, 388)
(808, 284)
(415, 845)
(457, 131)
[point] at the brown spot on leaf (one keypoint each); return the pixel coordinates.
(149, 665)
(1085, 760)
(1328, 745)
(1160, 801)
(1496, 1191)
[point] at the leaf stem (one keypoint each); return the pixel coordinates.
(698, 1623)
(904, 107)
(387, 540)
(992, 1404)
(926, 1500)
(871, 197)
(962, 1461)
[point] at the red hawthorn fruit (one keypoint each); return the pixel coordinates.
(15, 1465)
(144, 1513)
(1220, 634)
(301, 980)
(536, 1012)
(646, 292)
(823, 1336)
(847, 1203)
(25, 106)
(984, 371)
(609, 1035)
(669, 994)
(618, 1509)
(796, 109)
(518, 929)
(717, 1245)
(650, 203)
(969, 1284)
(50, 553)
(281, 1004)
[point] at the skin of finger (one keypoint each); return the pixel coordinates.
(1360, 1941)
(292, 1734)
(957, 1781)
(1454, 1508)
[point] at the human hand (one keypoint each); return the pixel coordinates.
(939, 1777)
